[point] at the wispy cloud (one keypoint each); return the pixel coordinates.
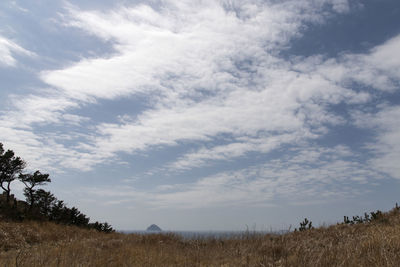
(8, 49)
(308, 174)
(210, 71)
(386, 146)
(205, 156)
(378, 69)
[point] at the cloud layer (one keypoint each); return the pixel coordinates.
(213, 74)
(306, 175)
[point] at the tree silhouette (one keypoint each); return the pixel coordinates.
(30, 181)
(10, 167)
(107, 228)
(58, 212)
(43, 205)
(44, 201)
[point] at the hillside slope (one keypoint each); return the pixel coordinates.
(375, 243)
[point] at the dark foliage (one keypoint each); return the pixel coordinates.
(10, 167)
(40, 204)
(102, 227)
(30, 181)
(376, 216)
(306, 224)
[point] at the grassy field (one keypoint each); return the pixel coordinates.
(376, 243)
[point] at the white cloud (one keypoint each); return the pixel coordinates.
(205, 156)
(20, 131)
(386, 146)
(34, 109)
(341, 6)
(207, 68)
(16, 6)
(183, 47)
(7, 50)
(309, 174)
(386, 58)
(378, 69)
(282, 108)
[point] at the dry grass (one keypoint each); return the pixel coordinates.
(46, 244)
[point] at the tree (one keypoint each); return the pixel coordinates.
(30, 181)
(44, 201)
(107, 228)
(57, 213)
(10, 167)
(43, 205)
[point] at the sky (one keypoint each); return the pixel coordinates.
(206, 114)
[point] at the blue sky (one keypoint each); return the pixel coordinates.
(206, 115)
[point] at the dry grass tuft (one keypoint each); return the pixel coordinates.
(46, 244)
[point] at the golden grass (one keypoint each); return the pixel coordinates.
(47, 244)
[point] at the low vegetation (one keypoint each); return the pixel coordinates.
(374, 242)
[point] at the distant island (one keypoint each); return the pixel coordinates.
(154, 228)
